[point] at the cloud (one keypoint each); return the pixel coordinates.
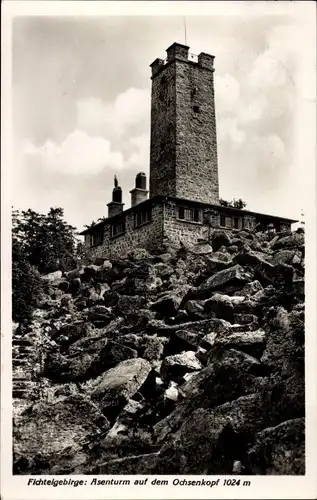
(254, 110)
(78, 154)
(80, 168)
(268, 71)
(227, 90)
(97, 142)
(130, 108)
(93, 114)
(139, 152)
(228, 130)
(284, 41)
(273, 145)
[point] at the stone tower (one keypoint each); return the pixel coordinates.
(183, 157)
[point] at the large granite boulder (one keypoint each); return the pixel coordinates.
(52, 438)
(174, 367)
(109, 356)
(228, 376)
(284, 343)
(228, 281)
(222, 306)
(100, 314)
(219, 238)
(128, 304)
(294, 240)
(278, 450)
(218, 261)
(167, 305)
(250, 342)
(53, 277)
(115, 387)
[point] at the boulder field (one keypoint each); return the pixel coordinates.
(187, 361)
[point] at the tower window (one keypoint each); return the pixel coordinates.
(196, 109)
(163, 89)
(162, 145)
(194, 92)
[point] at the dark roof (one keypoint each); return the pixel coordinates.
(233, 210)
(157, 199)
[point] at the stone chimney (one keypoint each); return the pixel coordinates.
(139, 193)
(115, 206)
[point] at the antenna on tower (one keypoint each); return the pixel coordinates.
(185, 30)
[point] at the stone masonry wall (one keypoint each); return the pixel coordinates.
(183, 157)
(196, 140)
(149, 236)
(176, 231)
(166, 229)
(163, 133)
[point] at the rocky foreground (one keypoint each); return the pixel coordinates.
(190, 361)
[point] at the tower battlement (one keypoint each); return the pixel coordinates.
(181, 53)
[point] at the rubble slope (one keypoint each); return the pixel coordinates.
(189, 361)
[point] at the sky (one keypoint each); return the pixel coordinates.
(81, 106)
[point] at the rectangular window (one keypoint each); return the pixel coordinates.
(118, 227)
(236, 222)
(229, 222)
(197, 215)
(181, 213)
(142, 217)
(247, 224)
(223, 220)
(190, 214)
(97, 238)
